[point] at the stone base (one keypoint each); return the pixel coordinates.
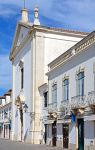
(49, 142)
(72, 146)
(14, 137)
(59, 143)
(91, 147)
(33, 137)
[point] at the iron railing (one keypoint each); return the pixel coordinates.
(52, 107)
(91, 98)
(78, 102)
(65, 107)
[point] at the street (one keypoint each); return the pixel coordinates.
(12, 145)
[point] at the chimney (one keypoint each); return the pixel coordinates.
(24, 13)
(36, 16)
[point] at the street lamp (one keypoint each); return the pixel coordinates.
(25, 108)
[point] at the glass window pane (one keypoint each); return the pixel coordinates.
(80, 84)
(66, 89)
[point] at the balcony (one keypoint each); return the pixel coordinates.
(65, 107)
(52, 107)
(78, 102)
(91, 99)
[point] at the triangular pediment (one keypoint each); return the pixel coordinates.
(21, 32)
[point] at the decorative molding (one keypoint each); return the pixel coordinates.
(66, 77)
(91, 99)
(32, 28)
(77, 48)
(54, 83)
(78, 102)
(81, 69)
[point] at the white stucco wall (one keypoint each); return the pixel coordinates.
(84, 60)
(25, 55)
(72, 134)
(89, 132)
(8, 99)
(59, 140)
(55, 45)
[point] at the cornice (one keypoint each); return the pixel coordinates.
(77, 48)
(66, 77)
(14, 46)
(60, 31)
(44, 29)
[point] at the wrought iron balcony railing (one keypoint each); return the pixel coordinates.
(65, 107)
(78, 102)
(91, 98)
(52, 107)
(64, 104)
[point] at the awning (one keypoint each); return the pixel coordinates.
(89, 118)
(64, 121)
(49, 122)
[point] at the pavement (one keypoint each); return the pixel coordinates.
(12, 145)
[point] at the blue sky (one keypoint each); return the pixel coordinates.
(68, 14)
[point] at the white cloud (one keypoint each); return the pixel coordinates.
(77, 14)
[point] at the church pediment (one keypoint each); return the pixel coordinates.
(21, 32)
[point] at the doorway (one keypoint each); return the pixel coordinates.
(65, 135)
(80, 134)
(4, 131)
(45, 134)
(21, 119)
(54, 134)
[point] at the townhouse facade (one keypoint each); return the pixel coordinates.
(70, 122)
(5, 115)
(34, 46)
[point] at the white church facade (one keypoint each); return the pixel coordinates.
(34, 47)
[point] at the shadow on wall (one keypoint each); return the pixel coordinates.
(26, 134)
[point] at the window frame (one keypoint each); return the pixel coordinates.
(80, 83)
(45, 94)
(54, 93)
(65, 89)
(22, 77)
